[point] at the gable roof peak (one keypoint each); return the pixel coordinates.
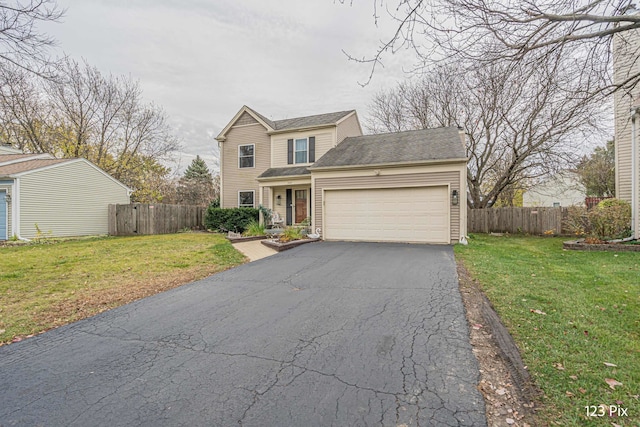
(303, 122)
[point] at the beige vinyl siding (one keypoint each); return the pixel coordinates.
(7, 189)
(282, 208)
(245, 119)
(626, 64)
(68, 200)
(389, 179)
(241, 179)
(348, 127)
(324, 142)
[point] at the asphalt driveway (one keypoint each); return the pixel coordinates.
(325, 334)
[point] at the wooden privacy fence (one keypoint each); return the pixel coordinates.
(137, 219)
(516, 220)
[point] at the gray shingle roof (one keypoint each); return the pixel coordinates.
(399, 147)
(267, 121)
(310, 121)
(289, 171)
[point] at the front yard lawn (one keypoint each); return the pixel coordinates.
(50, 284)
(575, 317)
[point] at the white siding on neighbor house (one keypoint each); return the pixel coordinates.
(566, 190)
(234, 178)
(348, 127)
(7, 189)
(71, 199)
(325, 140)
(625, 65)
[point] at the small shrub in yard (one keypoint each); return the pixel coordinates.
(611, 219)
(254, 228)
(291, 233)
(233, 219)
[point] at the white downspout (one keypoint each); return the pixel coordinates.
(634, 173)
(15, 210)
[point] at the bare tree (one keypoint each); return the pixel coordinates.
(521, 122)
(25, 116)
(84, 113)
(525, 31)
(107, 121)
(21, 44)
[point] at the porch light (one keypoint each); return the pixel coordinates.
(278, 200)
(7, 198)
(454, 197)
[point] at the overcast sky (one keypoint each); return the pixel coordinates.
(201, 60)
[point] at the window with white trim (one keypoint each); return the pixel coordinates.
(301, 150)
(246, 199)
(246, 156)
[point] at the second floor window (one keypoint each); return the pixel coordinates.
(246, 156)
(301, 154)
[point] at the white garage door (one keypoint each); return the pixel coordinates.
(416, 214)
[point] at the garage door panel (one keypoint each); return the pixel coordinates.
(419, 214)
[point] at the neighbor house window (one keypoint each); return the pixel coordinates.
(245, 199)
(301, 151)
(246, 154)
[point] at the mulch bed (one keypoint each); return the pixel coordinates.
(580, 245)
(279, 246)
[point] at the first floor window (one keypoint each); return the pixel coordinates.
(245, 199)
(246, 156)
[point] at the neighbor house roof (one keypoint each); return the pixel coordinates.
(284, 125)
(13, 158)
(33, 162)
(414, 146)
(289, 171)
(28, 165)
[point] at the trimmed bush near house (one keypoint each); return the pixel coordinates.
(231, 219)
(609, 220)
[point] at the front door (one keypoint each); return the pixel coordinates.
(301, 205)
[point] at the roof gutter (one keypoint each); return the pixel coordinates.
(283, 177)
(302, 129)
(388, 165)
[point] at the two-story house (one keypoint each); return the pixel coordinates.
(405, 186)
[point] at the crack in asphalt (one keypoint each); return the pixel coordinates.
(381, 353)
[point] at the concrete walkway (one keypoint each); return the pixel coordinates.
(254, 250)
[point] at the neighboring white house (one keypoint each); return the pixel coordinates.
(560, 190)
(42, 195)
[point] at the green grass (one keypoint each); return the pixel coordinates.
(592, 306)
(45, 285)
